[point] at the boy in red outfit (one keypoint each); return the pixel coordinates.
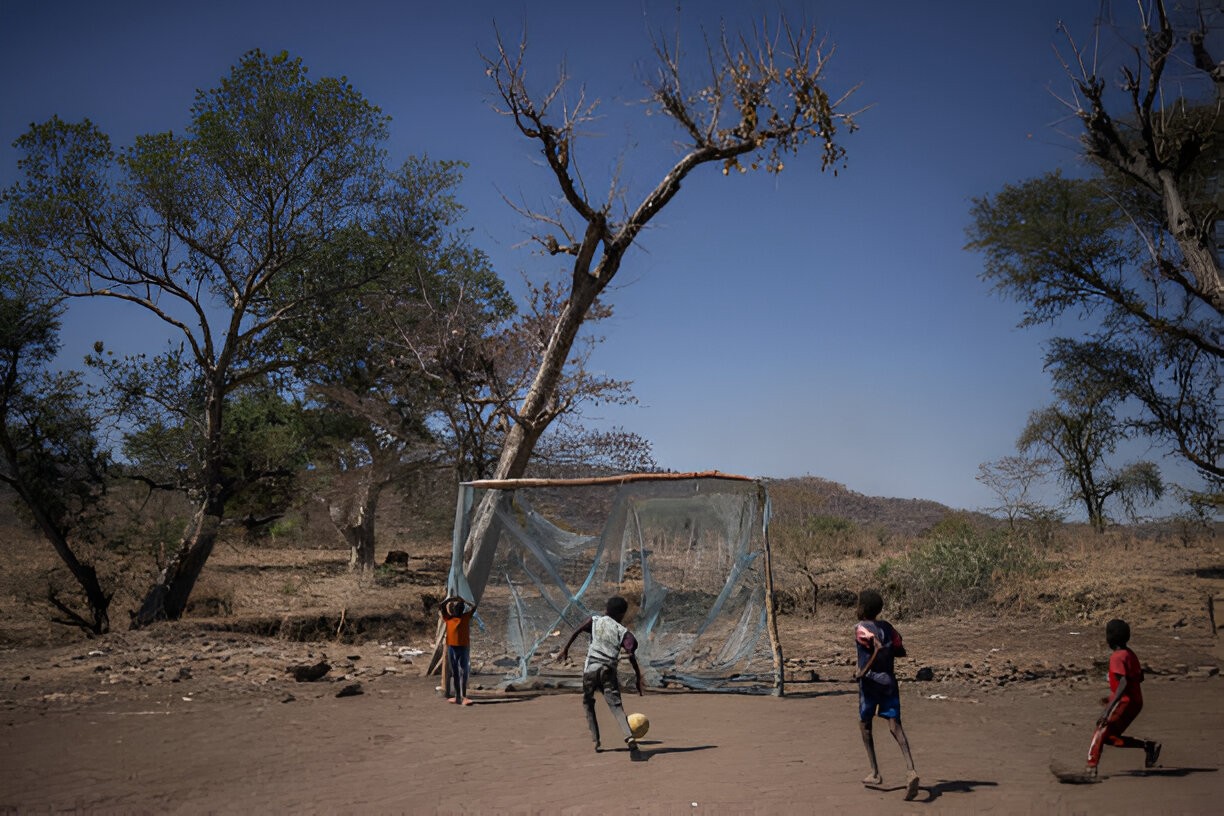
(1124, 703)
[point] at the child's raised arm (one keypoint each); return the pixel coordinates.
(585, 627)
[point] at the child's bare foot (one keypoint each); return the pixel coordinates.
(597, 747)
(466, 701)
(873, 778)
(1090, 772)
(1151, 753)
(911, 785)
(451, 700)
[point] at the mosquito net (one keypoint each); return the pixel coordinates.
(690, 555)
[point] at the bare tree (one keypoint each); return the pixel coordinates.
(1012, 480)
(761, 101)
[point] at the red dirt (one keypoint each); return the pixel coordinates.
(187, 718)
(127, 731)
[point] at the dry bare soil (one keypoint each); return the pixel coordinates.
(205, 715)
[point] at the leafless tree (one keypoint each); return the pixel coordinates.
(762, 99)
(1012, 480)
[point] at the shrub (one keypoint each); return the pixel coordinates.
(957, 569)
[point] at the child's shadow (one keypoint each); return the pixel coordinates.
(1165, 772)
(941, 787)
(643, 754)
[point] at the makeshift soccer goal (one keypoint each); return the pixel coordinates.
(690, 552)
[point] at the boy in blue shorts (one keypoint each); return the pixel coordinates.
(877, 643)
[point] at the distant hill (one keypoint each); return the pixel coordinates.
(908, 517)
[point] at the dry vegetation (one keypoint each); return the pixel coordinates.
(291, 587)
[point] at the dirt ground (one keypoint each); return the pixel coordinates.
(205, 715)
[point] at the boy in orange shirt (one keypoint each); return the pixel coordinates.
(1124, 702)
(457, 615)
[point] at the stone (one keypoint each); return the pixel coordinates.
(308, 673)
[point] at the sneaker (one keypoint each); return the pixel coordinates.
(1151, 753)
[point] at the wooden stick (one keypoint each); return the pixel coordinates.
(512, 484)
(771, 615)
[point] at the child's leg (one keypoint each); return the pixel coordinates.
(1111, 732)
(898, 732)
(890, 709)
(1094, 747)
(590, 682)
(874, 777)
(911, 778)
(867, 709)
(452, 671)
(463, 671)
(612, 694)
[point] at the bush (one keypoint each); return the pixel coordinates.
(956, 570)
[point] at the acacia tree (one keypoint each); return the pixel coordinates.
(195, 229)
(1135, 247)
(1081, 434)
(762, 100)
(49, 453)
(1063, 245)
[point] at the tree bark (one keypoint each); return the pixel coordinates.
(85, 575)
(167, 598)
(357, 528)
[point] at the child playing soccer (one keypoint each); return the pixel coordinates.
(877, 643)
(1124, 703)
(457, 615)
(608, 637)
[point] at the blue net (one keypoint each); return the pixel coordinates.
(690, 555)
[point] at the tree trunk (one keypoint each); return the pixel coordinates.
(85, 574)
(358, 529)
(167, 598)
(1192, 238)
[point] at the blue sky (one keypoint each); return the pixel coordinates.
(772, 325)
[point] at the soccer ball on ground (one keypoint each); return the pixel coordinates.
(638, 725)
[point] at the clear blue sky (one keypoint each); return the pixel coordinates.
(773, 325)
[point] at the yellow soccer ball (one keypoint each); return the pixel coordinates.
(638, 725)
